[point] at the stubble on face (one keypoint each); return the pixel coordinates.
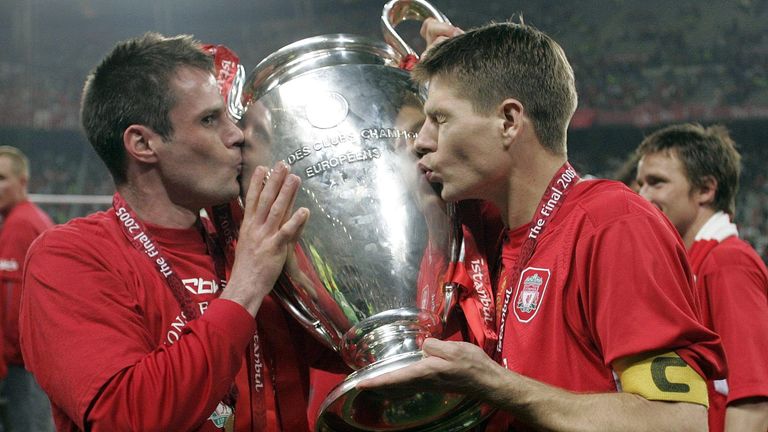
(201, 161)
(467, 155)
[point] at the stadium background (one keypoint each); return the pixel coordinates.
(638, 65)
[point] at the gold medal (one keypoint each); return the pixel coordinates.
(223, 417)
(229, 426)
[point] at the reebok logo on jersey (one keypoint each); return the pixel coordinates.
(200, 286)
(8, 265)
(530, 293)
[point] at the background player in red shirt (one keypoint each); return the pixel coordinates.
(142, 317)
(26, 406)
(691, 173)
(595, 311)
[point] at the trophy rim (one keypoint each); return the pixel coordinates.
(466, 413)
(290, 61)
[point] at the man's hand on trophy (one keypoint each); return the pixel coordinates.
(269, 229)
(447, 366)
(434, 32)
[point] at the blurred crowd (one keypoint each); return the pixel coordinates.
(638, 65)
(63, 166)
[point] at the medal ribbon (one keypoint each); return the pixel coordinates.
(225, 61)
(227, 219)
(551, 201)
(139, 237)
(476, 300)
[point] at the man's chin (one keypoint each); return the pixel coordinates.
(448, 194)
(230, 193)
(437, 187)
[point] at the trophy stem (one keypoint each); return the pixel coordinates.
(388, 334)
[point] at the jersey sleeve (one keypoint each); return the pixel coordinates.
(638, 294)
(85, 339)
(18, 235)
(736, 292)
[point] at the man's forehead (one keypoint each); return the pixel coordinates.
(441, 89)
(188, 78)
(9, 166)
(197, 87)
(6, 161)
(662, 162)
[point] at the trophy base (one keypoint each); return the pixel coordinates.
(348, 409)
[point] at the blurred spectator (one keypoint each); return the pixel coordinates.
(691, 173)
(26, 406)
(642, 63)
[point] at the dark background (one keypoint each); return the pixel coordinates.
(638, 66)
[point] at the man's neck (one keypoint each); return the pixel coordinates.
(156, 207)
(702, 216)
(527, 185)
(7, 210)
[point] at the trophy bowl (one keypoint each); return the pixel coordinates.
(370, 275)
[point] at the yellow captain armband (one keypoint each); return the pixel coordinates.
(663, 377)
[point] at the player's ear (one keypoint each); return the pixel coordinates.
(138, 141)
(706, 193)
(511, 113)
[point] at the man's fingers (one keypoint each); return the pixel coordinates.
(407, 376)
(437, 348)
(292, 202)
(275, 181)
(281, 206)
(293, 227)
(434, 31)
(254, 190)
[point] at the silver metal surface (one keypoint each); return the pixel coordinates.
(397, 11)
(369, 274)
(374, 256)
(347, 409)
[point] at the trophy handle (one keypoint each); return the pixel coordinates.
(299, 313)
(397, 11)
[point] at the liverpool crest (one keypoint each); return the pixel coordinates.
(530, 293)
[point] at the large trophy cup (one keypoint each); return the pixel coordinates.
(370, 274)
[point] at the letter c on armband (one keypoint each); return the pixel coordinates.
(665, 377)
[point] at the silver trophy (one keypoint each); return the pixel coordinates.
(370, 275)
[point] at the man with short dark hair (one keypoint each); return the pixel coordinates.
(141, 317)
(26, 407)
(691, 173)
(596, 326)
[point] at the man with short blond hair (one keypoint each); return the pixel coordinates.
(27, 407)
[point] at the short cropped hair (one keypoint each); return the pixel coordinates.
(19, 161)
(704, 152)
(509, 60)
(132, 86)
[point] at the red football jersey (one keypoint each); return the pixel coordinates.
(732, 286)
(98, 322)
(608, 279)
(22, 225)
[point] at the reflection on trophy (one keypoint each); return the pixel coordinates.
(370, 274)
